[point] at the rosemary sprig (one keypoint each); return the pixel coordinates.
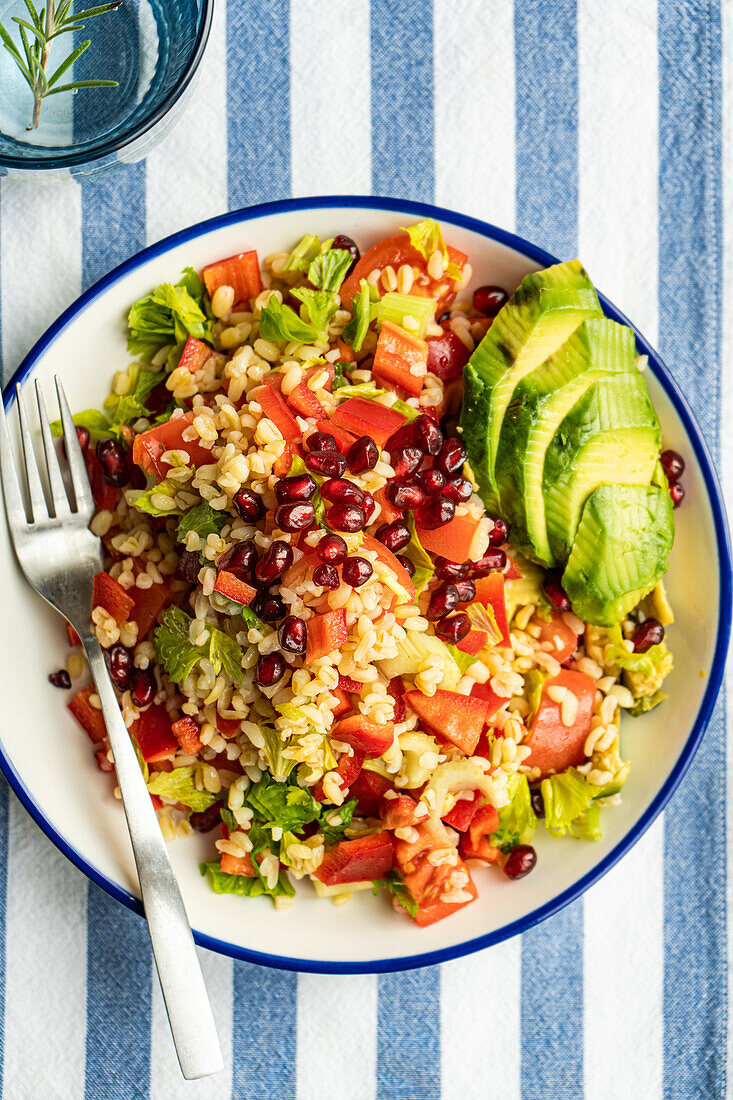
(35, 42)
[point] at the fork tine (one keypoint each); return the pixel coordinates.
(11, 490)
(55, 481)
(39, 508)
(77, 469)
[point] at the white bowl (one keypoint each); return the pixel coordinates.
(47, 758)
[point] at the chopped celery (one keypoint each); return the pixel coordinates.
(416, 648)
(396, 307)
(305, 252)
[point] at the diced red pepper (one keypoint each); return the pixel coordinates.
(347, 684)
(388, 513)
(110, 595)
(228, 727)
(396, 689)
(361, 417)
(194, 355)
(359, 860)
(276, 409)
(459, 718)
(237, 865)
(389, 559)
(397, 356)
(230, 586)
(493, 701)
(461, 816)
(344, 705)
(369, 789)
(89, 718)
(447, 356)
(71, 634)
(347, 769)
(475, 844)
(430, 884)
(326, 634)
(241, 272)
(305, 402)
(148, 447)
(490, 592)
(153, 733)
(281, 466)
(455, 540)
(474, 642)
(105, 495)
(554, 745)
(149, 602)
(558, 634)
(394, 252)
(187, 732)
(343, 439)
(363, 735)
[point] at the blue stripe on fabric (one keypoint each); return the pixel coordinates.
(403, 116)
(408, 1036)
(546, 62)
(690, 310)
(258, 101)
(546, 66)
(264, 1033)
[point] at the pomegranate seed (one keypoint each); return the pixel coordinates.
(647, 634)
(206, 820)
(466, 590)
(406, 461)
(270, 669)
(327, 576)
(454, 628)
(363, 455)
(520, 861)
(103, 762)
(555, 592)
(430, 481)
(673, 465)
(60, 679)
(273, 562)
(369, 506)
(537, 800)
(677, 493)
(113, 460)
(321, 441)
(188, 567)
(404, 496)
(443, 600)
(295, 517)
(407, 564)
(332, 549)
(248, 506)
(489, 300)
(293, 635)
(499, 532)
(340, 491)
(356, 571)
(428, 436)
(395, 536)
(493, 560)
(82, 434)
(327, 463)
(458, 489)
(137, 476)
(239, 560)
(437, 511)
(269, 608)
(396, 689)
(347, 517)
(451, 457)
(403, 437)
(292, 490)
(347, 245)
(119, 663)
(448, 570)
(142, 691)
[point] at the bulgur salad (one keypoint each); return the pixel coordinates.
(383, 565)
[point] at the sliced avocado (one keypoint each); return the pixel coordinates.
(611, 436)
(540, 403)
(621, 550)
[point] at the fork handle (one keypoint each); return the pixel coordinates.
(184, 991)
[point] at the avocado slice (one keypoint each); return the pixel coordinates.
(610, 437)
(621, 550)
(541, 400)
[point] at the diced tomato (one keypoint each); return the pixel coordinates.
(397, 356)
(228, 727)
(110, 595)
(194, 355)
(426, 882)
(369, 789)
(347, 769)
(230, 586)
(396, 689)
(474, 642)
(476, 844)
(71, 634)
(459, 718)
(490, 592)
(395, 251)
(398, 813)
(555, 746)
(343, 439)
(89, 718)
(359, 860)
(153, 733)
(461, 816)
(149, 602)
(305, 402)
(389, 513)
(187, 732)
(241, 272)
(347, 684)
(432, 912)
(105, 495)
(149, 446)
(326, 634)
(455, 540)
(493, 701)
(447, 356)
(237, 865)
(276, 409)
(363, 735)
(561, 637)
(344, 705)
(361, 417)
(388, 558)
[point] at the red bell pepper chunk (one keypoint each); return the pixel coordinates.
(389, 513)
(89, 718)
(344, 440)
(363, 735)
(359, 860)
(275, 408)
(343, 706)
(461, 816)
(347, 769)
(493, 701)
(237, 865)
(430, 885)
(326, 633)
(561, 637)
(369, 789)
(432, 912)
(105, 495)
(187, 732)
(490, 592)
(347, 684)
(476, 844)
(230, 586)
(455, 540)
(388, 558)
(395, 251)
(396, 689)
(228, 727)
(398, 813)
(110, 595)
(459, 718)
(148, 447)
(554, 745)
(512, 572)
(474, 642)
(447, 356)
(305, 402)
(149, 602)
(361, 417)
(153, 733)
(281, 465)
(241, 272)
(401, 359)
(194, 355)
(71, 634)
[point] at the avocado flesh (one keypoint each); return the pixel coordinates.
(598, 347)
(621, 550)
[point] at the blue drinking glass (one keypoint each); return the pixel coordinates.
(152, 48)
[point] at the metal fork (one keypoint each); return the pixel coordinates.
(59, 555)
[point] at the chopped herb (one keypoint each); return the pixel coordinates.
(397, 888)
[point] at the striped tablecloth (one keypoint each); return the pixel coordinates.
(594, 128)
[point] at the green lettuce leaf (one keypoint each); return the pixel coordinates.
(279, 322)
(279, 765)
(305, 252)
(333, 833)
(96, 423)
(143, 499)
(282, 805)
(365, 307)
(463, 660)
(169, 315)
(368, 390)
(224, 653)
(222, 883)
(328, 271)
(179, 785)
(178, 655)
(517, 821)
(395, 885)
(426, 237)
(566, 796)
(319, 305)
(203, 519)
(646, 664)
(588, 825)
(418, 555)
(341, 368)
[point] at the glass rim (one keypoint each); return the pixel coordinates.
(74, 156)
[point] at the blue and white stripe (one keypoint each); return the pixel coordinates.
(590, 128)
